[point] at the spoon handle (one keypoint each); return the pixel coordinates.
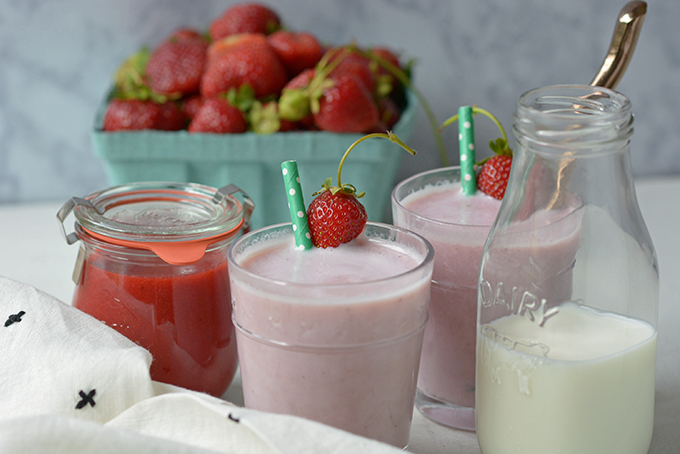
(622, 46)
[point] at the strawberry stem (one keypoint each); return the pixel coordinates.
(389, 135)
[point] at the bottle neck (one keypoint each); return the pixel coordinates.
(578, 121)
(572, 145)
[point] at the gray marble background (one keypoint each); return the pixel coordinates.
(57, 59)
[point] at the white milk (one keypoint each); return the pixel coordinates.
(586, 385)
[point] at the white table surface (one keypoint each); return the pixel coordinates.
(33, 251)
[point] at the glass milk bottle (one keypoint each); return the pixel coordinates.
(568, 287)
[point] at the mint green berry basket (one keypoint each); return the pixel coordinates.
(253, 162)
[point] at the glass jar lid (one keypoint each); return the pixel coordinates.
(177, 221)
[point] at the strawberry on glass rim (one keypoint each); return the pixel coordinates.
(336, 215)
(494, 171)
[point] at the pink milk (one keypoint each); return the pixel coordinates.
(432, 204)
(333, 335)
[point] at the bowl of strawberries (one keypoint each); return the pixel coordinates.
(230, 104)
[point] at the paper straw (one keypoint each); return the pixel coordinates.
(296, 205)
(466, 141)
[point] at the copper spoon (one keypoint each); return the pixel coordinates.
(623, 43)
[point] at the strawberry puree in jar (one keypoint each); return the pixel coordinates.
(181, 314)
(433, 205)
(152, 265)
(333, 335)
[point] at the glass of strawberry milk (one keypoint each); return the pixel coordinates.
(432, 204)
(333, 335)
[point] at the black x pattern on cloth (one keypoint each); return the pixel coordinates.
(14, 318)
(86, 399)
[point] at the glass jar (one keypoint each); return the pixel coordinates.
(152, 265)
(568, 288)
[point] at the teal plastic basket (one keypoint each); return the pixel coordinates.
(253, 162)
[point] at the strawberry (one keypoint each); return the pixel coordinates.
(347, 106)
(287, 125)
(294, 100)
(389, 113)
(351, 63)
(302, 80)
(492, 178)
(216, 115)
(186, 34)
(386, 80)
(135, 114)
(336, 216)
(339, 92)
(243, 60)
(245, 18)
(171, 117)
(191, 105)
(130, 80)
(494, 172)
(130, 114)
(298, 51)
(175, 67)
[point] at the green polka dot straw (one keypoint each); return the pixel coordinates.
(466, 140)
(296, 205)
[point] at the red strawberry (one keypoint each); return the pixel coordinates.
(240, 60)
(130, 80)
(347, 106)
(135, 114)
(493, 176)
(191, 105)
(216, 115)
(387, 81)
(287, 125)
(335, 218)
(186, 34)
(175, 68)
(302, 80)
(130, 114)
(351, 63)
(294, 100)
(171, 117)
(389, 113)
(245, 18)
(298, 51)
(338, 102)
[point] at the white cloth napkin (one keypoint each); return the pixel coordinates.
(70, 384)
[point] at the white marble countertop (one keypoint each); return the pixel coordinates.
(32, 251)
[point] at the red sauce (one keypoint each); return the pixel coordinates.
(181, 314)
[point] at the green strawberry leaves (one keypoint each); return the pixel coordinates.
(130, 81)
(346, 188)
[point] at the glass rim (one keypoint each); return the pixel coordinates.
(215, 218)
(572, 117)
(426, 260)
(425, 173)
(578, 96)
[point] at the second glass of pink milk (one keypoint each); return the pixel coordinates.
(333, 335)
(433, 205)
